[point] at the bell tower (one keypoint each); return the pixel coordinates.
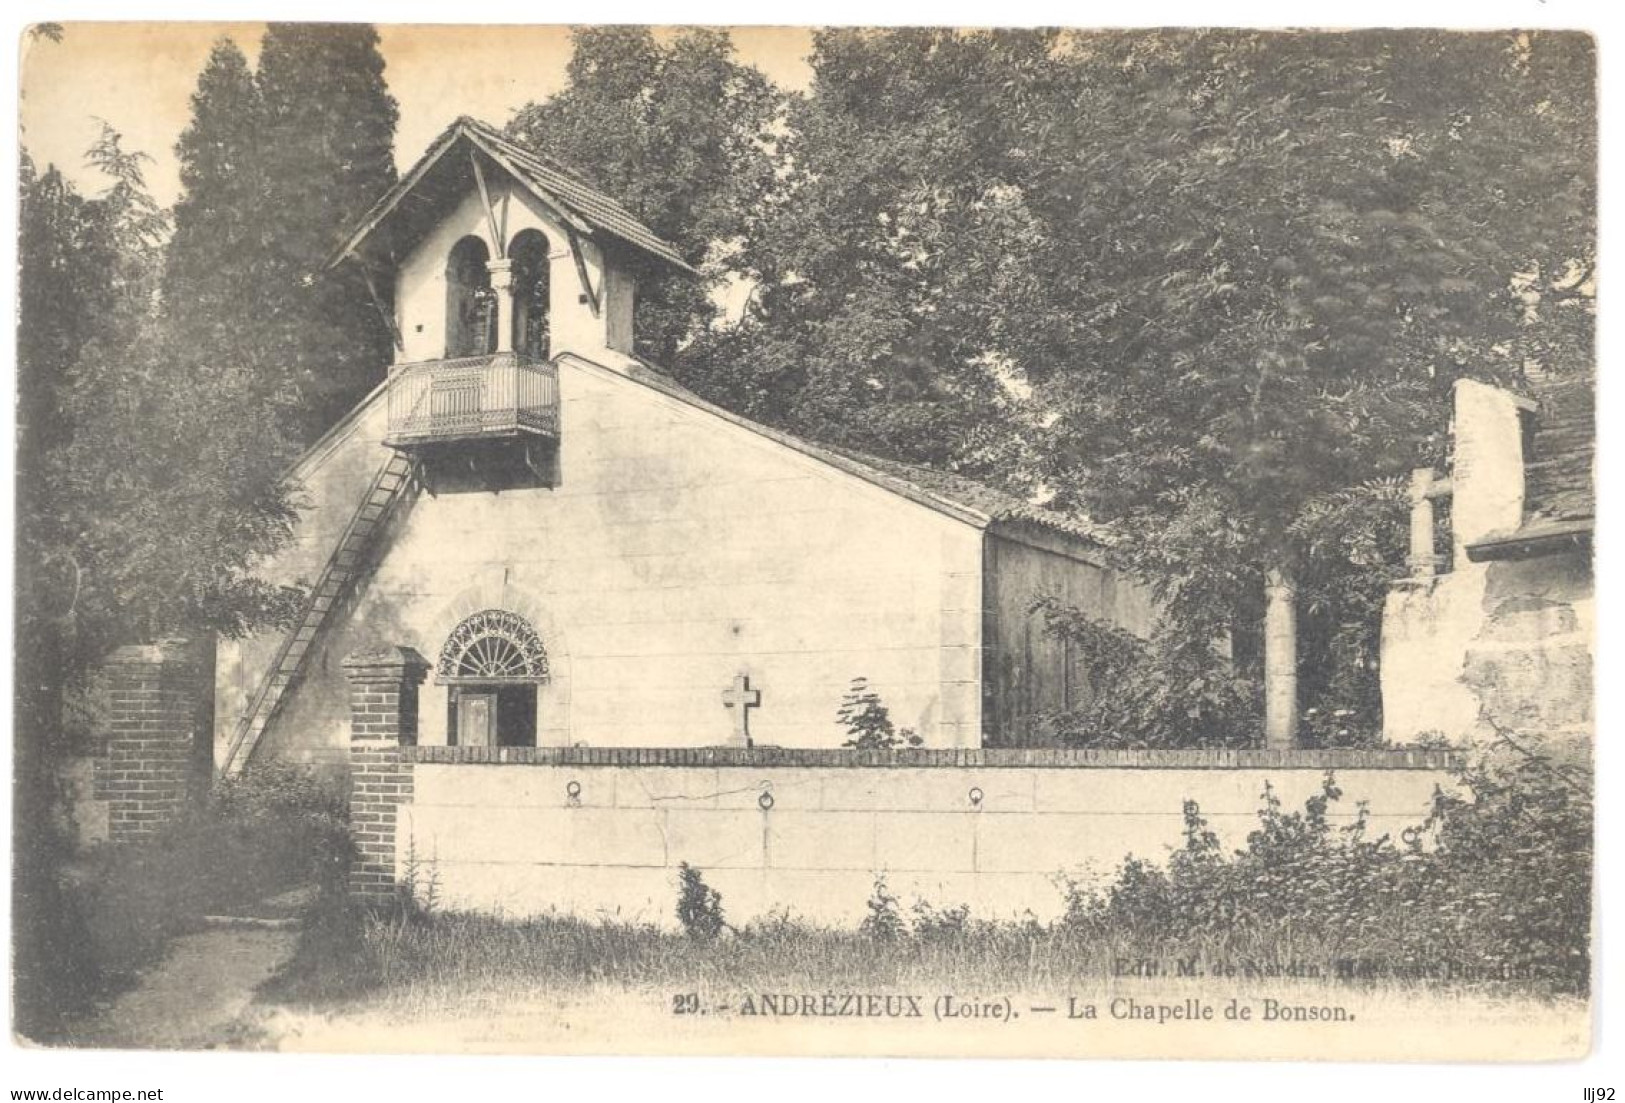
(498, 262)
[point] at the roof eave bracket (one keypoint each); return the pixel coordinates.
(578, 254)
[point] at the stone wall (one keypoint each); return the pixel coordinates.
(601, 831)
(522, 831)
(1505, 645)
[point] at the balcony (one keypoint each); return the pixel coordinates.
(502, 395)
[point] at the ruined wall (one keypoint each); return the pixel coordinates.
(1530, 663)
(1507, 644)
(600, 833)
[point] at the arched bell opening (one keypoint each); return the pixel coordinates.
(470, 303)
(529, 254)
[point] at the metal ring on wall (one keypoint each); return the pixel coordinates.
(572, 792)
(975, 796)
(765, 801)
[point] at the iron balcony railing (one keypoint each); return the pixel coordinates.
(500, 395)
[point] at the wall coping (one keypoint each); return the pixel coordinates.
(166, 652)
(386, 664)
(993, 757)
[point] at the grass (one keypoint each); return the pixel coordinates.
(402, 958)
(457, 982)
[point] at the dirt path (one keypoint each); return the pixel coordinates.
(195, 998)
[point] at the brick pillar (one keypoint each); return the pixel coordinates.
(383, 719)
(149, 764)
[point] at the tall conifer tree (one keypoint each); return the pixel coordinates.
(216, 259)
(326, 153)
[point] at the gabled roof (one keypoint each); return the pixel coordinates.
(420, 193)
(954, 495)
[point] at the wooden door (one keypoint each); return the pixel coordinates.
(476, 719)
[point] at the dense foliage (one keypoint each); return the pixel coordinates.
(1259, 263)
(1496, 886)
(276, 164)
(1164, 692)
(165, 381)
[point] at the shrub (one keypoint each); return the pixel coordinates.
(1511, 871)
(274, 826)
(699, 906)
(884, 923)
(1504, 891)
(1161, 693)
(1332, 728)
(933, 924)
(868, 721)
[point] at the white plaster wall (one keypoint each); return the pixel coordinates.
(677, 551)
(330, 481)
(1506, 645)
(508, 839)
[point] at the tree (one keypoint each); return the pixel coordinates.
(681, 134)
(86, 282)
(325, 155)
(1263, 259)
(145, 498)
(1211, 288)
(65, 265)
(891, 224)
(216, 260)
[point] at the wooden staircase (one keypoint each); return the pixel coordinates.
(337, 580)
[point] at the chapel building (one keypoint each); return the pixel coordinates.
(591, 555)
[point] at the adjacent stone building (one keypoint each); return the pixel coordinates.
(1498, 635)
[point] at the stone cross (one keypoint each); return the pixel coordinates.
(741, 698)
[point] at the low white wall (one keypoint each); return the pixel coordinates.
(537, 834)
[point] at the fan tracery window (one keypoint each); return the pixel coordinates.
(493, 646)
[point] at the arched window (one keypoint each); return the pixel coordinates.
(470, 302)
(530, 293)
(493, 662)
